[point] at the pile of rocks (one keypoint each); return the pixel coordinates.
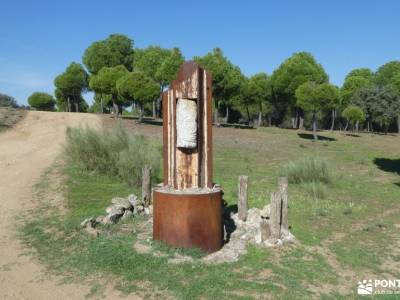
(266, 227)
(120, 209)
(245, 233)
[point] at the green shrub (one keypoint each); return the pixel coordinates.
(42, 101)
(114, 153)
(307, 169)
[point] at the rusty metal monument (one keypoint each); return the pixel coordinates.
(188, 207)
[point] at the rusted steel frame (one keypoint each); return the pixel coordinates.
(165, 108)
(208, 135)
(188, 220)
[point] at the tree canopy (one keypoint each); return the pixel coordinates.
(169, 67)
(362, 72)
(379, 103)
(115, 50)
(387, 73)
(294, 71)
(150, 59)
(105, 81)
(351, 86)
(297, 86)
(71, 84)
(354, 115)
(41, 101)
(257, 91)
(298, 69)
(137, 86)
(227, 79)
(315, 97)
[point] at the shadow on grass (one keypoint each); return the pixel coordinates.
(309, 136)
(146, 120)
(152, 122)
(229, 224)
(352, 135)
(388, 165)
(238, 126)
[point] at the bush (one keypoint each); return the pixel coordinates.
(7, 101)
(42, 101)
(307, 169)
(114, 153)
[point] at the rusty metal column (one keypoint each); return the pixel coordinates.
(188, 208)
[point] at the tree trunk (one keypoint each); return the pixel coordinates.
(101, 104)
(69, 104)
(294, 123)
(333, 120)
(368, 126)
(301, 122)
(158, 107)
(115, 109)
(242, 198)
(146, 185)
(76, 107)
(227, 114)
(314, 126)
(357, 125)
(159, 102)
(269, 120)
(398, 123)
(248, 115)
(154, 109)
(347, 125)
(260, 116)
(140, 113)
(216, 121)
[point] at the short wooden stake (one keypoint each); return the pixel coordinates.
(146, 185)
(242, 197)
(265, 230)
(275, 217)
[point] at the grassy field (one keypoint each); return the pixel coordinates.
(346, 230)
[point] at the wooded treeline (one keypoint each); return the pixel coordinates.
(297, 94)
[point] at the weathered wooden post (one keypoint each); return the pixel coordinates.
(283, 190)
(242, 197)
(265, 230)
(146, 185)
(275, 215)
(188, 207)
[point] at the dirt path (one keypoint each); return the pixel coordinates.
(25, 152)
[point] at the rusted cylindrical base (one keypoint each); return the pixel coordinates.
(188, 220)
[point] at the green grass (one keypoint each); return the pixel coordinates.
(344, 233)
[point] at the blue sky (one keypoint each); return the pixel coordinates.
(38, 39)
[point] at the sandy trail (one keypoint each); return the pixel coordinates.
(25, 152)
